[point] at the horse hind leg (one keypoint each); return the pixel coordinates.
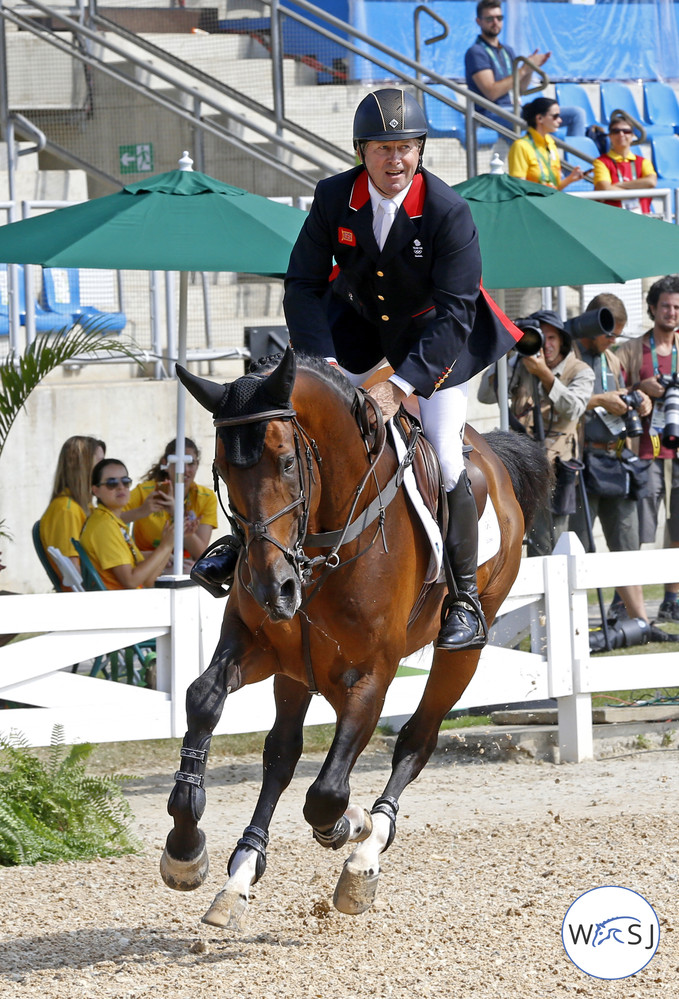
(357, 885)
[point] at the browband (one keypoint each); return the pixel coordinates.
(270, 414)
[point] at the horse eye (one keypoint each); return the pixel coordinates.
(289, 463)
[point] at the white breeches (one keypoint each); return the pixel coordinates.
(443, 418)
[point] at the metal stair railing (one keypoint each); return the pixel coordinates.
(195, 118)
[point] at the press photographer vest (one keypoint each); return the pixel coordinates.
(560, 433)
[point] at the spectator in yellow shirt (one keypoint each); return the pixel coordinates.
(200, 505)
(623, 170)
(535, 157)
(105, 536)
(71, 498)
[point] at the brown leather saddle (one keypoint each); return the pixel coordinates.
(428, 474)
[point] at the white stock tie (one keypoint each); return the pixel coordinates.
(389, 209)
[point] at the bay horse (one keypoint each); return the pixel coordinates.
(329, 596)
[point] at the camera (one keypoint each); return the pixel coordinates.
(670, 437)
(633, 401)
(532, 340)
(591, 324)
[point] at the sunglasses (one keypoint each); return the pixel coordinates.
(621, 131)
(125, 480)
(556, 116)
(494, 17)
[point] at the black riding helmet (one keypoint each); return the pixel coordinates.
(388, 115)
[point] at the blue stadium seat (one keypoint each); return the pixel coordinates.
(446, 122)
(575, 95)
(589, 148)
(61, 294)
(661, 106)
(45, 322)
(665, 153)
(618, 96)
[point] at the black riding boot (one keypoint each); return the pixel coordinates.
(216, 568)
(463, 625)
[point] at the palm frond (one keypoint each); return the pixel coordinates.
(20, 373)
(57, 811)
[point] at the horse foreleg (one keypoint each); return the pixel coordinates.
(282, 750)
(327, 810)
(451, 672)
(184, 863)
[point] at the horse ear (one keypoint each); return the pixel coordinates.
(208, 394)
(280, 382)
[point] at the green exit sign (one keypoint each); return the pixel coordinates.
(137, 158)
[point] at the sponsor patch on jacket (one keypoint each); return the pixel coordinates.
(346, 236)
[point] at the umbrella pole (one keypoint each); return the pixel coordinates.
(181, 430)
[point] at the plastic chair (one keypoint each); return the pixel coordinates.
(53, 575)
(446, 122)
(45, 322)
(618, 96)
(575, 95)
(68, 570)
(665, 153)
(661, 106)
(142, 652)
(61, 294)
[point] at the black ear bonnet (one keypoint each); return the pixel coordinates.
(249, 395)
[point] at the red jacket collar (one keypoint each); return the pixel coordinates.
(414, 200)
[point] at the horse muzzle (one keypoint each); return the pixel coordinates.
(278, 591)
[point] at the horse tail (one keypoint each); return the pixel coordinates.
(529, 469)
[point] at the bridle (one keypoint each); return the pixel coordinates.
(248, 531)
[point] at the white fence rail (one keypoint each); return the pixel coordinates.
(185, 623)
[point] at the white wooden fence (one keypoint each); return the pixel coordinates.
(185, 622)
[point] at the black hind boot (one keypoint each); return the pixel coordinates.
(463, 625)
(215, 570)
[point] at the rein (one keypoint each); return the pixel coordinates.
(248, 531)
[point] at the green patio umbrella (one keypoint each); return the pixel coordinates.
(533, 236)
(183, 221)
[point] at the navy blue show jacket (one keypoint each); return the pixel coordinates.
(418, 303)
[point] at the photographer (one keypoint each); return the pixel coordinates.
(649, 363)
(611, 478)
(548, 391)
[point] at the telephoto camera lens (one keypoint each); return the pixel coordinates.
(532, 340)
(670, 437)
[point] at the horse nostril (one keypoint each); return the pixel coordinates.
(288, 590)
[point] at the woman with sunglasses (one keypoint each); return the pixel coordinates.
(200, 504)
(623, 170)
(535, 157)
(105, 536)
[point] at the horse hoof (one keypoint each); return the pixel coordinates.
(228, 910)
(356, 890)
(184, 875)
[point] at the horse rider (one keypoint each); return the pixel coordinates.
(387, 269)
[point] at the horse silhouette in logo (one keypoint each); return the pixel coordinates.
(611, 929)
